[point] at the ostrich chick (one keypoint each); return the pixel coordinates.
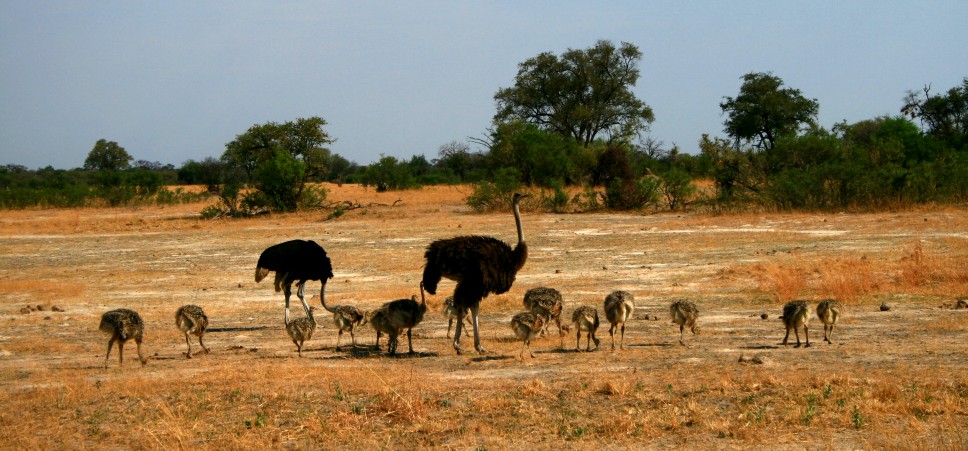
(123, 325)
(685, 314)
(191, 319)
(619, 306)
(796, 315)
(301, 330)
(828, 311)
(526, 325)
(585, 319)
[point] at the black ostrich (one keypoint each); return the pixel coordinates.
(480, 265)
(295, 261)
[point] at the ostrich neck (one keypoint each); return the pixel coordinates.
(517, 223)
(322, 298)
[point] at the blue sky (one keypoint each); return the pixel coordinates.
(176, 80)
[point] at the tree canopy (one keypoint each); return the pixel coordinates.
(107, 156)
(581, 94)
(765, 111)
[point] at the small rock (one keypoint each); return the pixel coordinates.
(25, 310)
(56, 309)
(557, 271)
(962, 303)
(40, 308)
(48, 318)
(764, 316)
(885, 307)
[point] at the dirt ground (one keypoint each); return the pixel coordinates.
(893, 378)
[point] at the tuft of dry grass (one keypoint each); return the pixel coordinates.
(890, 380)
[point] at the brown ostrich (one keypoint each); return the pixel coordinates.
(480, 265)
(406, 314)
(191, 319)
(548, 303)
(585, 319)
(828, 311)
(619, 306)
(301, 330)
(295, 261)
(685, 314)
(796, 315)
(451, 313)
(123, 325)
(527, 325)
(380, 320)
(346, 318)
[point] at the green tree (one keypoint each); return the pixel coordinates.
(581, 94)
(943, 116)
(764, 111)
(107, 156)
(280, 158)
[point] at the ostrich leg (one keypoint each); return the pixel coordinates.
(477, 337)
(302, 298)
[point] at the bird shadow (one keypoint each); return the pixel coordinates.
(649, 345)
(761, 347)
(234, 329)
(489, 358)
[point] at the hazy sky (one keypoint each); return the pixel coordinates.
(176, 80)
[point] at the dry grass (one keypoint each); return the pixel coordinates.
(891, 379)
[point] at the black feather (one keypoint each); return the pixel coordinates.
(296, 261)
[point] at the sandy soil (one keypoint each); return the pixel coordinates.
(155, 259)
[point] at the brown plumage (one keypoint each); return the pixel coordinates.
(548, 303)
(346, 318)
(451, 313)
(123, 325)
(191, 319)
(380, 320)
(295, 261)
(619, 306)
(480, 265)
(796, 315)
(828, 311)
(685, 314)
(585, 319)
(527, 325)
(406, 314)
(301, 330)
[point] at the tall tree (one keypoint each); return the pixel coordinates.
(107, 156)
(764, 111)
(581, 94)
(944, 116)
(280, 158)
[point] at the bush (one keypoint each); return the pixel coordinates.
(495, 195)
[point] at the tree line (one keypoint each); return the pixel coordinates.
(571, 128)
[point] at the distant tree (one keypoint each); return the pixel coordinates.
(280, 158)
(107, 156)
(304, 139)
(581, 94)
(943, 116)
(764, 111)
(457, 158)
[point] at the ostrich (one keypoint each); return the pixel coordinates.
(301, 330)
(380, 320)
(295, 261)
(619, 306)
(406, 314)
(346, 318)
(547, 303)
(451, 313)
(796, 315)
(480, 265)
(526, 326)
(123, 325)
(685, 314)
(585, 319)
(828, 310)
(191, 319)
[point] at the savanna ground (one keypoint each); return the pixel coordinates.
(894, 379)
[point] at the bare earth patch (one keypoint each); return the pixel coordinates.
(891, 379)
